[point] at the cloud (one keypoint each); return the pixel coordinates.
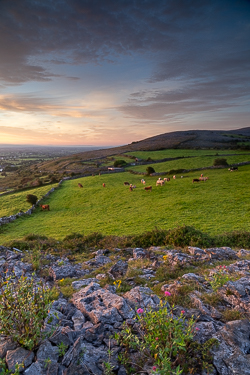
(176, 36)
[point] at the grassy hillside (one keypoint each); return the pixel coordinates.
(218, 205)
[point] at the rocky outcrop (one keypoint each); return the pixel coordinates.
(83, 328)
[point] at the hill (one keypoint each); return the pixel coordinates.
(98, 161)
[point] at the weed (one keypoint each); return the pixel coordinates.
(5, 371)
(219, 278)
(24, 306)
(62, 348)
(229, 314)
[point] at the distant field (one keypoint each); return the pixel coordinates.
(190, 163)
(11, 204)
(173, 153)
(219, 205)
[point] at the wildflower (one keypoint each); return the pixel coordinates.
(157, 338)
(167, 293)
(197, 329)
(182, 311)
(140, 311)
(220, 266)
(154, 368)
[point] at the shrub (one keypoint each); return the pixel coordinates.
(234, 239)
(188, 236)
(119, 163)
(220, 161)
(156, 237)
(23, 308)
(150, 170)
(162, 340)
(32, 199)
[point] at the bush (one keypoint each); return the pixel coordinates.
(234, 239)
(150, 170)
(23, 308)
(156, 237)
(188, 236)
(220, 161)
(32, 199)
(119, 163)
(164, 341)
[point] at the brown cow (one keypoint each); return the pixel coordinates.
(130, 188)
(126, 183)
(103, 185)
(45, 207)
(196, 180)
(149, 188)
(80, 185)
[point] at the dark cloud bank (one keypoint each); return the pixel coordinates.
(204, 46)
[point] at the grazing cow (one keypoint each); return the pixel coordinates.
(148, 188)
(196, 180)
(166, 179)
(231, 169)
(126, 183)
(174, 177)
(80, 185)
(103, 185)
(45, 207)
(203, 178)
(160, 182)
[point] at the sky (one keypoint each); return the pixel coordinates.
(111, 72)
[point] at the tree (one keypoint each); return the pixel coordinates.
(32, 199)
(119, 163)
(220, 161)
(150, 170)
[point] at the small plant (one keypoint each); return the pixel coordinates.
(5, 371)
(161, 337)
(24, 305)
(219, 278)
(62, 348)
(32, 199)
(117, 283)
(47, 363)
(108, 368)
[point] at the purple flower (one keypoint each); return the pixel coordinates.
(167, 293)
(140, 311)
(197, 329)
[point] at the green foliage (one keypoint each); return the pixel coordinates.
(32, 199)
(188, 236)
(24, 305)
(150, 170)
(155, 237)
(119, 163)
(161, 337)
(234, 238)
(5, 371)
(220, 161)
(62, 348)
(164, 341)
(219, 278)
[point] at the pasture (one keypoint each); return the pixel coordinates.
(218, 205)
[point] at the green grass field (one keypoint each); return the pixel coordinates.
(218, 205)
